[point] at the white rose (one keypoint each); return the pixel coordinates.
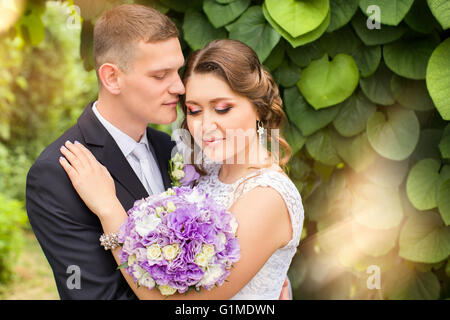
(178, 174)
(202, 259)
(147, 281)
(159, 210)
(138, 272)
(131, 260)
(170, 206)
(170, 192)
(171, 251)
(177, 158)
(208, 250)
(154, 252)
(166, 290)
(147, 224)
(178, 165)
(212, 275)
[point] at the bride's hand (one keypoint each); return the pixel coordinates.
(90, 178)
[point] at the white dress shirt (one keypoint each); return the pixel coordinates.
(151, 179)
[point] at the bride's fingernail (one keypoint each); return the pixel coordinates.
(63, 148)
(76, 142)
(61, 158)
(68, 142)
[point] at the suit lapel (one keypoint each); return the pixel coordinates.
(107, 152)
(161, 159)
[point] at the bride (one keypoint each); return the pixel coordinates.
(229, 95)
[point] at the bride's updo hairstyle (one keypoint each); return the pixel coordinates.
(239, 66)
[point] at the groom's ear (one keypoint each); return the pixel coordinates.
(108, 74)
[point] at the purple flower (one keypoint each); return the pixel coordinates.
(206, 246)
(190, 175)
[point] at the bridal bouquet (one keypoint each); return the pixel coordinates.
(178, 240)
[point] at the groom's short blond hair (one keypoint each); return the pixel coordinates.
(119, 29)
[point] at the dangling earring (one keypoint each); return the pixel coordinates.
(260, 131)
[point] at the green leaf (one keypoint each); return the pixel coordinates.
(411, 94)
(422, 184)
(353, 115)
(303, 115)
(276, 57)
(377, 207)
(409, 58)
(427, 147)
(225, 1)
(198, 31)
(441, 11)
(444, 144)
(443, 201)
(420, 18)
(34, 27)
(377, 87)
(294, 138)
(367, 59)
(303, 55)
(298, 17)
(373, 242)
(356, 151)
(385, 172)
(391, 12)
(123, 265)
(252, 29)
(343, 40)
(424, 238)
(394, 135)
(222, 14)
(87, 45)
(320, 147)
(287, 74)
(438, 78)
(341, 13)
(300, 40)
(406, 283)
(371, 37)
(325, 83)
(182, 5)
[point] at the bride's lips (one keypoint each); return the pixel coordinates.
(212, 141)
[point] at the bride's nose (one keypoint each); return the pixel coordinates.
(209, 124)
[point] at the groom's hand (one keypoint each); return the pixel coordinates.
(284, 295)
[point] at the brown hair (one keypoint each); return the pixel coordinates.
(119, 29)
(239, 66)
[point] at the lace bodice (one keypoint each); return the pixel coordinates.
(267, 283)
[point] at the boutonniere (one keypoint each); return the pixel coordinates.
(180, 173)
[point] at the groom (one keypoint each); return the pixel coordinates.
(137, 57)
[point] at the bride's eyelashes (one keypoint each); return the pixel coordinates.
(220, 111)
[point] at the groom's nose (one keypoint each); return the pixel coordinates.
(177, 87)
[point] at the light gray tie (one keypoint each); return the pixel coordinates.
(148, 179)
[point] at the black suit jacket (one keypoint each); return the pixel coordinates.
(66, 229)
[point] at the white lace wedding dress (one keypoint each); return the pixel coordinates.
(267, 283)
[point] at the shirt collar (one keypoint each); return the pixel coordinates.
(125, 142)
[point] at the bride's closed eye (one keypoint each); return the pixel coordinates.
(192, 111)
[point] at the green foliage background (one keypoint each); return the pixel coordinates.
(366, 91)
